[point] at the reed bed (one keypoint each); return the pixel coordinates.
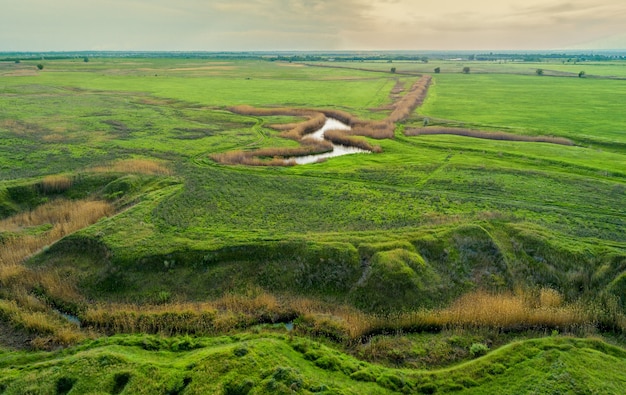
(309, 126)
(480, 309)
(135, 166)
(509, 311)
(45, 329)
(64, 217)
(377, 130)
(55, 184)
(225, 314)
(409, 102)
(487, 135)
(272, 156)
(343, 138)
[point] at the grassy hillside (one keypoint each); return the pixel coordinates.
(280, 364)
(113, 212)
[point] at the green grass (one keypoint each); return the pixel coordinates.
(276, 363)
(416, 226)
(584, 110)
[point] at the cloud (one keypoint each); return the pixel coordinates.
(305, 24)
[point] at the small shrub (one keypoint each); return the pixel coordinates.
(363, 375)
(496, 368)
(428, 388)
(235, 387)
(328, 362)
(40, 66)
(240, 351)
(163, 297)
(390, 381)
(478, 349)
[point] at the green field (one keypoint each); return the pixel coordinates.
(365, 255)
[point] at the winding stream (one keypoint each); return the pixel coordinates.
(338, 150)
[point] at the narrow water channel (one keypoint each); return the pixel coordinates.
(338, 150)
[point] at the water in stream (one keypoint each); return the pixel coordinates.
(338, 150)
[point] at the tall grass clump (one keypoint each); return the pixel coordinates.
(55, 184)
(63, 216)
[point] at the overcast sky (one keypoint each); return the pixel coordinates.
(240, 25)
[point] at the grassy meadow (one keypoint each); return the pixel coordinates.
(131, 261)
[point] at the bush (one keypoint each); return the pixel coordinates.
(428, 388)
(363, 375)
(478, 349)
(238, 388)
(40, 66)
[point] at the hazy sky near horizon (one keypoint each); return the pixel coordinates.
(240, 25)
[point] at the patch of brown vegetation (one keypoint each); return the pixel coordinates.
(22, 128)
(21, 309)
(340, 137)
(55, 184)
(540, 310)
(135, 166)
(487, 135)
(404, 107)
(64, 216)
(273, 156)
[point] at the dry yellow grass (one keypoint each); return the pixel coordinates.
(503, 311)
(135, 166)
(64, 216)
(56, 183)
(409, 102)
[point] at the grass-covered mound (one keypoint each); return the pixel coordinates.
(275, 363)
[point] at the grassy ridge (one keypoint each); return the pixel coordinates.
(277, 363)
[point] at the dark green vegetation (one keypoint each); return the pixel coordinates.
(353, 251)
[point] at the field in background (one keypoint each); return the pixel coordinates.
(380, 256)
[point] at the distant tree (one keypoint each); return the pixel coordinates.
(472, 57)
(466, 70)
(40, 66)
(85, 59)
(17, 61)
(437, 70)
(424, 59)
(393, 69)
(581, 74)
(539, 71)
